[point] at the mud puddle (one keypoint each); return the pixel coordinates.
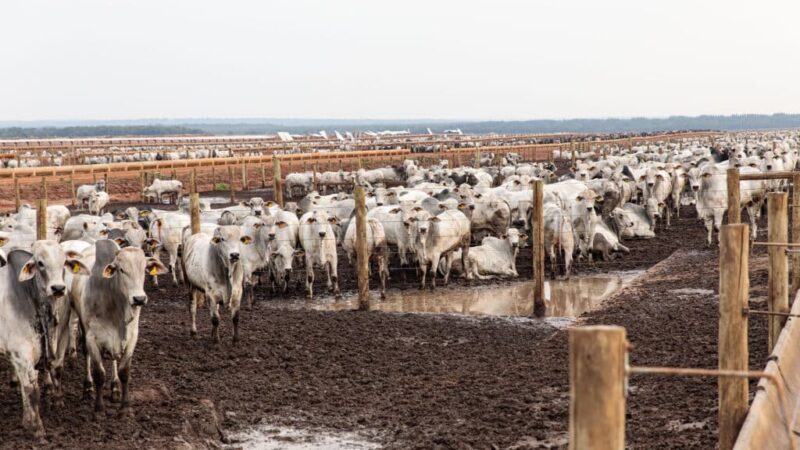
(274, 438)
(563, 298)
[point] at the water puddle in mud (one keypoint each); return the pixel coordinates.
(274, 438)
(563, 298)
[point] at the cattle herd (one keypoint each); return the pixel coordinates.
(85, 282)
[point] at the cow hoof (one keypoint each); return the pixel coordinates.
(125, 412)
(88, 394)
(116, 396)
(383, 295)
(193, 333)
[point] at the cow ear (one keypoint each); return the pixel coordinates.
(461, 206)
(28, 270)
(442, 206)
(155, 267)
(579, 198)
(152, 242)
(3, 241)
(122, 242)
(269, 204)
(333, 220)
(110, 270)
(274, 254)
(75, 266)
(299, 252)
(478, 195)
(435, 219)
(311, 220)
(246, 240)
(417, 208)
(282, 224)
(394, 211)
(215, 240)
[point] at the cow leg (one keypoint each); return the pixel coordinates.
(434, 268)
(99, 376)
(448, 264)
(193, 307)
(213, 308)
(250, 295)
(329, 283)
(124, 376)
(88, 382)
(333, 269)
(423, 268)
(709, 223)
(309, 279)
(29, 390)
(115, 390)
(383, 270)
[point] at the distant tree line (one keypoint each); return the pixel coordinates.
(629, 125)
(96, 131)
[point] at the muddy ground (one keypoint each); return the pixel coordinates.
(411, 380)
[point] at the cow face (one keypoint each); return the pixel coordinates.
(514, 237)
(46, 265)
(321, 225)
(256, 205)
(227, 241)
(282, 259)
(128, 271)
(422, 224)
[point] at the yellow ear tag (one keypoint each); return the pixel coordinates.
(76, 268)
(154, 271)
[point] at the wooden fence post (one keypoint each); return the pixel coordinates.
(778, 284)
(230, 185)
(194, 209)
(537, 247)
(795, 233)
(314, 174)
(105, 179)
(574, 155)
(72, 194)
(734, 211)
(597, 387)
(244, 177)
(362, 257)
(41, 212)
(277, 183)
(734, 284)
(477, 158)
(142, 183)
(263, 176)
(17, 200)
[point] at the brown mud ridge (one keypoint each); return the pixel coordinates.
(410, 380)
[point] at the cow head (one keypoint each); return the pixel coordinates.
(128, 270)
(256, 205)
(321, 224)
(282, 260)
(46, 265)
(227, 241)
(514, 237)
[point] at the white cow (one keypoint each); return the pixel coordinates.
(318, 239)
(213, 267)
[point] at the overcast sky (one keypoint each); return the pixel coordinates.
(376, 59)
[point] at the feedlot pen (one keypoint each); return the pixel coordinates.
(412, 380)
